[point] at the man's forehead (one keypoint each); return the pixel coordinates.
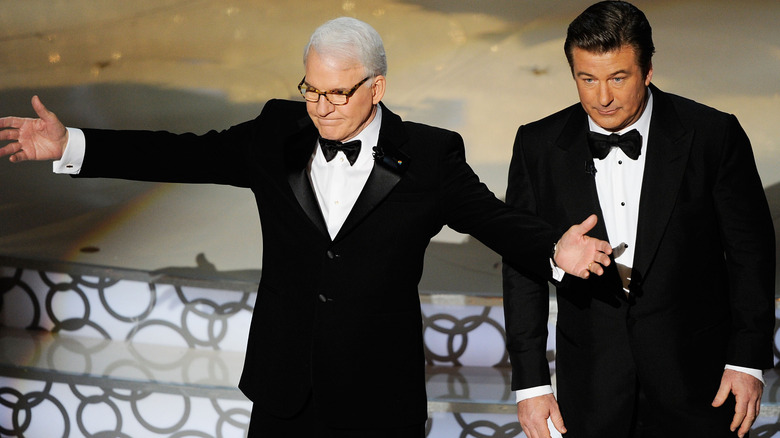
(620, 58)
(332, 61)
(333, 79)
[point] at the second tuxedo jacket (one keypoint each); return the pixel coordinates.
(702, 283)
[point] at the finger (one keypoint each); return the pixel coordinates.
(10, 148)
(604, 248)
(740, 413)
(6, 150)
(18, 156)
(747, 422)
(9, 134)
(8, 122)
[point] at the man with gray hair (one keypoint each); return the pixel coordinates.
(349, 197)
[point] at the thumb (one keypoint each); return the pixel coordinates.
(41, 110)
(557, 420)
(722, 395)
(587, 224)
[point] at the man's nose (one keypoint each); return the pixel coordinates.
(605, 94)
(324, 106)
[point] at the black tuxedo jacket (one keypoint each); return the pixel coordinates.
(702, 289)
(337, 318)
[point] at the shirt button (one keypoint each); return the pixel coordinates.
(622, 204)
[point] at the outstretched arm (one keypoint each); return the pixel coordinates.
(578, 254)
(43, 138)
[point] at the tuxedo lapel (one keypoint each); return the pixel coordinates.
(298, 151)
(576, 179)
(668, 149)
(390, 163)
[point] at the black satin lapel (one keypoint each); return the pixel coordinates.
(379, 184)
(576, 181)
(390, 164)
(301, 187)
(298, 151)
(668, 151)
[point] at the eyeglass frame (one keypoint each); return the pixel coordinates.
(304, 88)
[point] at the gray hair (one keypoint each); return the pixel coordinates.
(350, 39)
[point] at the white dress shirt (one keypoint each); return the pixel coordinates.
(336, 183)
(619, 184)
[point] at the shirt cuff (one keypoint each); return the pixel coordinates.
(536, 391)
(73, 155)
(758, 374)
(557, 272)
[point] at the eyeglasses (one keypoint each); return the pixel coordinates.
(335, 97)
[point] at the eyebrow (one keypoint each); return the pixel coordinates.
(325, 91)
(618, 72)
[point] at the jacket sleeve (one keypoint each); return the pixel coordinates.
(522, 238)
(749, 242)
(227, 156)
(526, 299)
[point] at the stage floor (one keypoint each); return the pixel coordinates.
(480, 68)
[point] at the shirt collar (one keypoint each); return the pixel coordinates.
(369, 136)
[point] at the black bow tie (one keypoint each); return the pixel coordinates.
(630, 142)
(330, 147)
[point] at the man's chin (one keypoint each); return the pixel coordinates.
(611, 124)
(330, 134)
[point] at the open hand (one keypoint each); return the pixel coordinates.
(33, 139)
(579, 254)
(532, 413)
(747, 390)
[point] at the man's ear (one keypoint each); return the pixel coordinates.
(649, 76)
(378, 89)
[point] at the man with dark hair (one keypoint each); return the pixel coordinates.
(349, 196)
(671, 340)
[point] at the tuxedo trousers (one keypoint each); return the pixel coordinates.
(307, 423)
(609, 388)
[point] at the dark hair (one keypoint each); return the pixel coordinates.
(609, 25)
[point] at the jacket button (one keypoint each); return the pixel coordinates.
(331, 254)
(323, 298)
